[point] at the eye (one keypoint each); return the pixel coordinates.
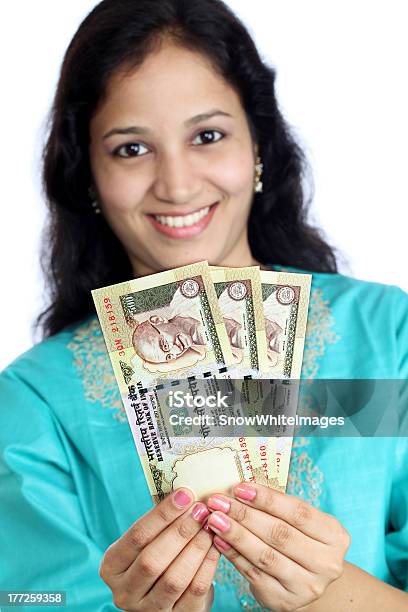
(131, 149)
(164, 345)
(209, 136)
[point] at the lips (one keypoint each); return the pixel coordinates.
(183, 225)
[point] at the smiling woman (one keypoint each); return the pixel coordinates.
(159, 119)
(166, 124)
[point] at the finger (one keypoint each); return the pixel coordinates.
(157, 556)
(296, 512)
(257, 578)
(172, 584)
(122, 553)
(200, 589)
(259, 554)
(274, 531)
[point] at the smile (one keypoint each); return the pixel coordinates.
(183, 221)
(183, 226)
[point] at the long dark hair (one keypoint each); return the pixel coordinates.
(80, 250)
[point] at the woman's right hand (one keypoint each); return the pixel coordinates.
(165, 561)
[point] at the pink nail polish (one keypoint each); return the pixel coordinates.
(219, 503)
(245, 491)
(182, 499)
(206, 528)
(200, 512)
(221, 543)
(219, 522)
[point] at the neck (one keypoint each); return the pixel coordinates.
(239, 257)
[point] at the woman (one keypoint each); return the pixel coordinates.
(143, 85)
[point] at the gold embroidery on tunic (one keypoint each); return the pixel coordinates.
(319, 333)
(91, 361)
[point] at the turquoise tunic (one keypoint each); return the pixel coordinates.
(71, 482)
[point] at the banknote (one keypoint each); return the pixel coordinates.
(285, 298)
(239, 294)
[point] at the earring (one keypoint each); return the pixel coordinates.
(94, 203)
(258, 173)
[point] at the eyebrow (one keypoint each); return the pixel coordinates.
(134, 129)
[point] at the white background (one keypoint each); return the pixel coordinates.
(342, 84)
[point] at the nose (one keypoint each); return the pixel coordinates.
(177, 180)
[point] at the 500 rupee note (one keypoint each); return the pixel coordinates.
(285, 298)
(285, 302)
(239, 294)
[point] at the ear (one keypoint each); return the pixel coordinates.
(157, 319)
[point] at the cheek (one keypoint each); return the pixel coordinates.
(120, 189)
(235, 174)
(118, 197)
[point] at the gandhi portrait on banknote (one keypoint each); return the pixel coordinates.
(231, 305)
(169, 334)
(234, 332)
(275, 316)
(159, 339)
(273, 336)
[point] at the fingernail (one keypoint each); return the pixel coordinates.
(221, 543)
(219, 503)
(245, 491)
(200, 512)
(182, 499)
(206, 528)
(219, 522)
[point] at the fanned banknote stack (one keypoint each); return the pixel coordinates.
(203, 328)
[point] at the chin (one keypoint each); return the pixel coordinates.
(185, 259)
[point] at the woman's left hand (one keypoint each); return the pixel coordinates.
(287, 549)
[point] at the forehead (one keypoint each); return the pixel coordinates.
(184, 79)
(163, 326)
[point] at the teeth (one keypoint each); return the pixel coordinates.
(183, 221)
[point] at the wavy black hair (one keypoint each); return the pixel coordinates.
(80, 251)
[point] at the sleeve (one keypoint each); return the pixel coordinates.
(397, 537)
(44, 544)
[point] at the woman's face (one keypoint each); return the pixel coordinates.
(173, 163)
